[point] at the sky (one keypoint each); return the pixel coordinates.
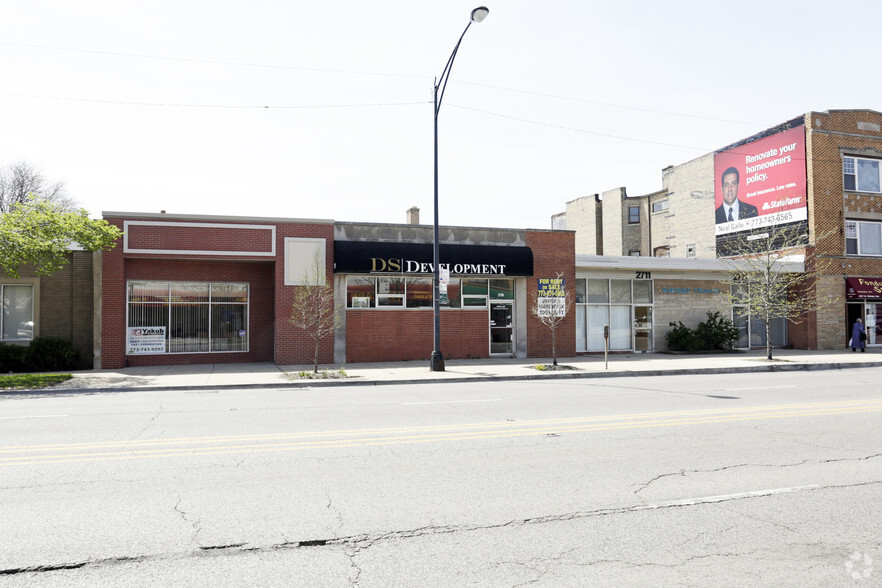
(317, 110)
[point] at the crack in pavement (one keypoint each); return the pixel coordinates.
(685, 473)
(149, 423)
(355, 544)
(196, 524)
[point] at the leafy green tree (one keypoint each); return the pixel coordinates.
(40, 232)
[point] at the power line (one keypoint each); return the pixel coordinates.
(585, 131)
(218, 106)
(611, 105)
(212, 61)
(367, 73)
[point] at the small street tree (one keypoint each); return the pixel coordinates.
(552, 306)
(764, 275)
(40, 232)
(313, 307)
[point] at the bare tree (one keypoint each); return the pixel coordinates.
(552, 307)
(766, 275)
(313, 307)
(20, 181)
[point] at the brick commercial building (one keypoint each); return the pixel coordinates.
(60, 305)
(183, 289)
(818, 173)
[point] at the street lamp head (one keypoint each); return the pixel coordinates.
(480, 13)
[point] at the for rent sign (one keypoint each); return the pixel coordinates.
(552, 297)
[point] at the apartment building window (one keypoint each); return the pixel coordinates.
(861, 174)
(660, 206)
(633, 215)
(17, 321)
(863, 238)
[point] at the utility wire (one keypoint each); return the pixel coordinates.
(585, 131)
(219, 106)
(586, 101)
(382, 74)
(213, 62)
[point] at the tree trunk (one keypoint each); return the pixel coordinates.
(315, 358)
(768, 338)
(553, 347)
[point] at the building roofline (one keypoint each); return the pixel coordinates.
(212, 217)
(627, 262)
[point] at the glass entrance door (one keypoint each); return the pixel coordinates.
(642, 328)
(501, 331)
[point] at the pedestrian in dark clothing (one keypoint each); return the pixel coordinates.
(858, 336)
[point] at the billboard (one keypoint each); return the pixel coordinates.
(759, 184)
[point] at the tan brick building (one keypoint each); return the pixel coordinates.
(832, 188)
(60, 305)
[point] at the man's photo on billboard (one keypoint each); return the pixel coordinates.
(732, 208)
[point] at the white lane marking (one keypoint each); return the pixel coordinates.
(726, 497)
(451, 401)
(37, 416)
(757, 388)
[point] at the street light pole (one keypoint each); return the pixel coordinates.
(437, 361)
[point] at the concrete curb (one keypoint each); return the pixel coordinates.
(357, 381)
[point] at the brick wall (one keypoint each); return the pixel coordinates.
(582, 216)
(271, 336)
(64, 309)
(672, 306)
(611, 207)
(830, 135)
(399, 335)
(259, 276)
(292, 344)
(690, 217)
(553, 253)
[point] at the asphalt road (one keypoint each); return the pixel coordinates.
(753, 479)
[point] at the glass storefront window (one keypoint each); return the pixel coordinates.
(643, 291)
(598, 291)
(611, 302)
(620, 291)
(419, 292)
(197, 317)
(361, 292)
(502, 289)
(390, 292)
(474, 292)
(580, 291)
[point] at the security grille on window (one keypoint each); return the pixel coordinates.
(863, 238)
(17, 322)
(187, 317)
(860, 174)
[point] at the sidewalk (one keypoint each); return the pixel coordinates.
(268, 375)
